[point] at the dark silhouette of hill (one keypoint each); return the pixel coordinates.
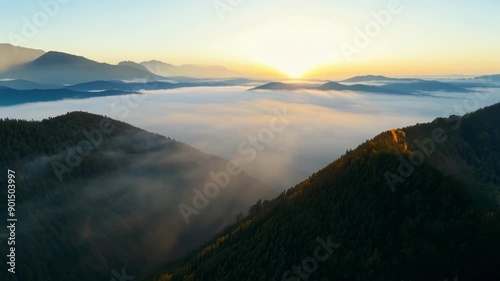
(359, 88)
(118, 85)
(401, 88)
(9, 97)
(56, 67)
(100, 85)
(157, 85)
(20, 84)
(425, 86)
(373, 215)
(376, 78)
(104, 195)
(329, 86)
(489, 78)
(38, 92)
(282, 86)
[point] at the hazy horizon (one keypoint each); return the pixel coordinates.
(270, 39)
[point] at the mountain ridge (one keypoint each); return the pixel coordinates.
(63, 68)
(189, 70)
(10, 96)
(98, 189)
(374, 78)
(11, 55)
(428, 227)
(419, 87)
(22, 84)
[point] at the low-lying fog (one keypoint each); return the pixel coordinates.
(234, 123)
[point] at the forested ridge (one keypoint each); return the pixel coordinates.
(31, 147)
(440, 222)
(95, 195)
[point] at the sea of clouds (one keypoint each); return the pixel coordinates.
(220, 121)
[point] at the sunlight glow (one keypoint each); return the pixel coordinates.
(292, 46)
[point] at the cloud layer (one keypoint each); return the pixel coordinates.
(219, 120)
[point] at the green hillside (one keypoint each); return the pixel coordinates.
(386, 218)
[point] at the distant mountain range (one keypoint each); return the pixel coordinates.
(78, 77)
(486, 81)
(15, 92)
(375, 78)
(329, 86)
(359, 88)
(9, 97)
(489, 78)
(157, 85)
(21, 84)
(118, 85)
(283, 86)
(425, 86)
(408, 87)
(195, 71)
(13, 55)
(378, 78)
(57, 68)
(61, 68)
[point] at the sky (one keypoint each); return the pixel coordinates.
(299, 38)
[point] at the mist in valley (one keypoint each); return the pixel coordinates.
(319, 127)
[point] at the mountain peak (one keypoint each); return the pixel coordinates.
(11, 56)
(63, 68)
(365, 78)
(279, 86)
(53, 57)
(155, 62)
(134, 65)
(7, 45)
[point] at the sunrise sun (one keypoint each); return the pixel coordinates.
(292, 46)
